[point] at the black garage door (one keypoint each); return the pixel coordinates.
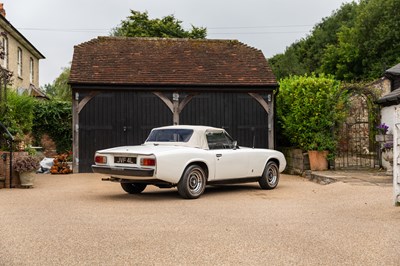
(117, 119)
(242, 116)
(126, 118)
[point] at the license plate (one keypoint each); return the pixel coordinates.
(127, 160)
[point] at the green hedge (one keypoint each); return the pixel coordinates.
(308, 109)
(55, 119)
(17, 115)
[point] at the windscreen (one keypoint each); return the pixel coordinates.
(170, 135)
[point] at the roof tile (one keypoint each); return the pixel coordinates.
(162, 61)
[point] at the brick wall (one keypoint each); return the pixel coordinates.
(49, 146)
(5, 170)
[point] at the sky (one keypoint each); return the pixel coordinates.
(54, 27)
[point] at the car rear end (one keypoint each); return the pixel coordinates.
(125, 165)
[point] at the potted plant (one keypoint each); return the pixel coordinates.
(383, 135)
(26, 166)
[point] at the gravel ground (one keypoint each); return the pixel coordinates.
(79, 220)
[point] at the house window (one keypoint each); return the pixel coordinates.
(19, 63)
(31, 71)
(5, 51)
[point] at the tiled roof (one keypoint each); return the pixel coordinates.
(169, 62)
(392, 98)
(394, 70)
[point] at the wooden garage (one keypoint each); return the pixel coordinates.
(124, 87)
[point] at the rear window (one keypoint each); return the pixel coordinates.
(170, 135)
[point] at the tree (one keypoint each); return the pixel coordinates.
(60, 89)
(357, 42)
(287, 64)
(139, 25)
(377, 35)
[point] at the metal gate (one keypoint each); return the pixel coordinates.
(357, 147)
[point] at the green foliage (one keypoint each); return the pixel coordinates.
(357, 42)
(55, 119)
(285, 65)
(18, 117)
(139, 25)
(60, 89)
(308, 109)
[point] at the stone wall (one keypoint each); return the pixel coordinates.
(297, 161)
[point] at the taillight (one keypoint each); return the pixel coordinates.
(100, 159)
(148, 162)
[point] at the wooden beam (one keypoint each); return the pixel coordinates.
(85, 100)
(269, 108)
(165, 99)
(185, 101)
(261, 101)
(174, 105)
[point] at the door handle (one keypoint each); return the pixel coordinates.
(219, 155)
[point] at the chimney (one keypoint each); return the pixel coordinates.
(2, 10)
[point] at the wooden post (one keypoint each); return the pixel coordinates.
(269, 108)
(75, 132)
(76, 109)
(175, 106)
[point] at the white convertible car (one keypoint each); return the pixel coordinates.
(188, 157)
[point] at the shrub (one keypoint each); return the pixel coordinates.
(18, 115)
(54, 118)
(308, 108)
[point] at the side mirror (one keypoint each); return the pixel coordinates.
(235, 145)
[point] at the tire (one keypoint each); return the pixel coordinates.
(270, 177)
(192, 183)
(133, 188)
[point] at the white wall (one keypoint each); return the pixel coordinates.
(387, 117)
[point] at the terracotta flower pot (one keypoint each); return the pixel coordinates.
(318, 160)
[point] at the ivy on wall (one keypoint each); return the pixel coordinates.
(55, 119)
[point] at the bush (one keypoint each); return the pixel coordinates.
(18, 115)
(308, 108)
(25, 115)
(54, 118)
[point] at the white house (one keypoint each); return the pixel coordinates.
(390, 115)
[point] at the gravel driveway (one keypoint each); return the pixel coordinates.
(79, 220)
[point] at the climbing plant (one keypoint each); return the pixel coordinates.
(55, 119)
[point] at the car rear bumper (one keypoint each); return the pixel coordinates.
(128, 173)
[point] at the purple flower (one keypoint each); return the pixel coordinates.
(382, 128)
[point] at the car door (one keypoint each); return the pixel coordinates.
(230, 162)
